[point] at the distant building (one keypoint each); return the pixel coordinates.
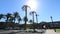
(55, 24)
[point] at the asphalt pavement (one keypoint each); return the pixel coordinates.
(21, 31)
(38, 31)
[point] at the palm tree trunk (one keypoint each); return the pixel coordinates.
(26, 17)
(25, 25)
(36, 19)
(26, 11)
(33, 23)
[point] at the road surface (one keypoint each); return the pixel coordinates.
(39, 31)
(21, 32)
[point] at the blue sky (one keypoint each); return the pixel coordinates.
(45, 9)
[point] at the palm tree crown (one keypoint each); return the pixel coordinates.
(15, 15)
(8, 16)
(1, 16)
(31, 21)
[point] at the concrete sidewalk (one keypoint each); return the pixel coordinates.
(51, 31)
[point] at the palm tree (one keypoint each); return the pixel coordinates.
(1, 16)
(11, 19)
(32, 13)
(16, 15)
(51, 18)
(37, 18)
(24, 8)
(31, 21)
(52, 22)
(8, 16)
(25, 20)
(11, 23)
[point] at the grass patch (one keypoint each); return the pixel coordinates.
(58, 30)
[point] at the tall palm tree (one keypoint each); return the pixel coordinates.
(24, 8)
(51, 18)
(52, 22)
(37, 17)
(32, 13)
